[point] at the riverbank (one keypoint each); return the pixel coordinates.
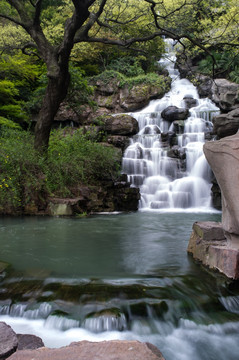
(26, 347)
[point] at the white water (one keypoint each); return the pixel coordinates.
(166, 182)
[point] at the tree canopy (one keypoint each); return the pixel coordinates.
(54, 32)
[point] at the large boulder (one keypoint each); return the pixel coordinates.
(226, 124)
(172, 113)
(139, 96)
(223, 157)
(8, 341)
(85, 350)
(204, 85)
(217, 245)
(28, 341)
(208, 244)
(121, 124)
(225, 94)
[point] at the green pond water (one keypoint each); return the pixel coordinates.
(119, 276)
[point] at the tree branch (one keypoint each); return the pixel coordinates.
(37, 12)
(15, 21)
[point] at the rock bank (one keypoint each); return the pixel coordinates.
(10, 342)
(221, 249)
(28, 347)
(85, 350)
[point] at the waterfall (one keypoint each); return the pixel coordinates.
(165, 159)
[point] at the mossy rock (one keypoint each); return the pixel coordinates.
(4, 266)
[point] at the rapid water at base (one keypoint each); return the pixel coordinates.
(124, 276)
(179, 178)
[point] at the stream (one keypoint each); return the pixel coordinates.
(119, 276)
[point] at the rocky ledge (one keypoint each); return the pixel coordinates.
(209, 245)
(217, 245)
(29, 347)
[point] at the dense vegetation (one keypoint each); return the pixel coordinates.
(113, 39)
(27, 178)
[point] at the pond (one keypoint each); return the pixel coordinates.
(118, 276)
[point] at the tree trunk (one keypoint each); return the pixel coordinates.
(55, 93)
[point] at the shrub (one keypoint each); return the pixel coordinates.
(73, 159)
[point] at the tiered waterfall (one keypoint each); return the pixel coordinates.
(165, 159)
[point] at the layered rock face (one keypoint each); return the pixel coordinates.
(225, 94)
(221, 249)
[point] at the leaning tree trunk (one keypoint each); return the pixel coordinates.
(55, 93)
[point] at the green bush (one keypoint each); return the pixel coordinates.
(28, 178)
(127, 65)
(73, 158)
(115, 78)
(225, 64)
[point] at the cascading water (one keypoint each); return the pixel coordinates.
(172, 174)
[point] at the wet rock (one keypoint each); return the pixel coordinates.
(189, 101)
(177, 152)
(119, 141)
(178, 126)
(4, 266)
(172, 113)
(26, 341)
(226, 124)
(225, 94)
(122, 124)
(105, 320)
(149, 129)
(85, 350)
(8, 340)
(204, 85)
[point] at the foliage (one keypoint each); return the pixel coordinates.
(225, 64)
(128, 65)
(79, 92)
(17, 80)
(73, 159)
(117, 78)
(8, 123)
(20, 169)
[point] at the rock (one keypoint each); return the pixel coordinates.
(209, 230)
(112, 97)
(226, 124)
(26, 341)
(212, 252)
(136, 98)
(110, 196)
(204, 85)
(223, 157)
(121, 124)
(66, 117)
(206, 242)
(189, 101)
(225, 94)
(216, 195)
(85, 350)
(120, 141)
(172, 113)
(8, 341)
(4, 266)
